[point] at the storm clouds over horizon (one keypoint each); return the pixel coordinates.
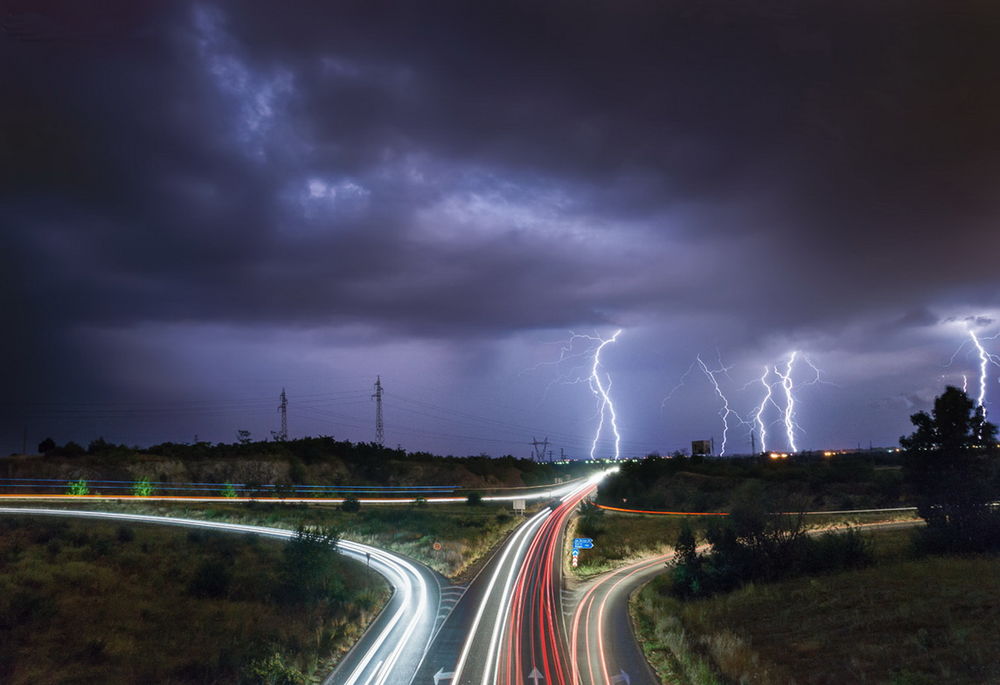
(202, 203)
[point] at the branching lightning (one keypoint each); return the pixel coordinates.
(985, 359)
(585, 367)
(788, 385)
(726, 410)
(604, 399)
(759, 415)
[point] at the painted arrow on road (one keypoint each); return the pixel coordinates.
(621, 677)
(535, 675)
(443, 675)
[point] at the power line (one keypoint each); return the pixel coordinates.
(379, 432)
(283, 410)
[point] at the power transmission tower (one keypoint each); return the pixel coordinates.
(539, 454)
(283, 410)
(379, 431)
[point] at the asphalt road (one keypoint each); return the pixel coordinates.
(515, 594)
(394, 645)
(602, 644)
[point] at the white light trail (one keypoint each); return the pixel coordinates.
(604, 399)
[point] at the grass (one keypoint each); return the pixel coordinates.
(84, 601)
(905, 621)
(450, 538)
(621, 538)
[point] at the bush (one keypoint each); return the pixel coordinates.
(211, 579)
(351, 505)
(751, 545)
(311, 570)
(474, 499)
(228, 490)
(142, 488)
(272, 670)
(78, 487)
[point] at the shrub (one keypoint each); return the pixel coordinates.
(474, 499)
(228, 490)
(211, 579)
(351, 505)
(78, 487)
(142, 488)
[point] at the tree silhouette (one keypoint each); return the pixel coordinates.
(949, 465)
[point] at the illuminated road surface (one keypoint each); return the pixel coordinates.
(475, 644)
(602, 643)
(394, 645)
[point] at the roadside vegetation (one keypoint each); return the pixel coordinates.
(811, 482)
(84, 601)
(258, 467)
(450, 538)
(767, 604)
(621, 538)
(906, 620)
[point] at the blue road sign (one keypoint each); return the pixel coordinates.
(576, 552)
(583, 543)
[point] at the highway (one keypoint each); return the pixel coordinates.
(477, 641)
(395, 643)
(603, 647)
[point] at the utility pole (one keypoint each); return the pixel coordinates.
(753, 444)
(562, 454)
(283, 410)
(539, 454)
(377, 396)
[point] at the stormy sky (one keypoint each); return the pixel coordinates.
(202, 203)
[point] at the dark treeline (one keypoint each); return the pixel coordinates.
(367, 461)
(842, 481)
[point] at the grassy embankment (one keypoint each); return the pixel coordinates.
(85, 601)
(905, 621)
(621, 538)
(463, 533)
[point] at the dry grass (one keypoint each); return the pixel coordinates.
(905, 621)
(464, 533)
(622, 538)
(95, 602)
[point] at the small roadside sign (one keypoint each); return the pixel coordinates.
(519, 505)
(576, 552)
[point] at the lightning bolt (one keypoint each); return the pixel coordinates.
(788, 386)
(726, 410)
(985, 359)
(965, 383)
(759, 416)
(604, 399)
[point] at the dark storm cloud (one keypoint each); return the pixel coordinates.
(469, 170)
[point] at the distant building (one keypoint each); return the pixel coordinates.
(701, 448)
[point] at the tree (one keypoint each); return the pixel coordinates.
(949, 459)
(47, 445)
(311, 571)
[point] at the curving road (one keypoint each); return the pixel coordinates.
(603, 647)
(516, 591)
(393, 646)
